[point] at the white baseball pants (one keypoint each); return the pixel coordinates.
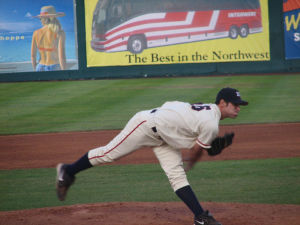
(136, 134)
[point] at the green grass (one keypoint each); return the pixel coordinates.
(275, 181)
(35, 107)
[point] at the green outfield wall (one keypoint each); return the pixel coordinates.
(276, 63)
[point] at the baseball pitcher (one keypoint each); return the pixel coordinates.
(167, 129)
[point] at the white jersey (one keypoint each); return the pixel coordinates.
(182, 124)
(178, 125)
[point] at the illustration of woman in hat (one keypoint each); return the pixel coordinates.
(49, 41)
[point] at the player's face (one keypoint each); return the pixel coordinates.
(232, 110)
(228, 109)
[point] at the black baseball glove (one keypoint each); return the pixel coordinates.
(219, 143)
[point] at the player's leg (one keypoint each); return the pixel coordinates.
(137, 133)
(171, 162)
(124, 143)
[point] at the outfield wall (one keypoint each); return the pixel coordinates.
(276, 63)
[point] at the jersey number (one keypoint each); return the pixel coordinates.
(199, 107)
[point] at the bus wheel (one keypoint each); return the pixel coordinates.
(233, 32)
(136, 44)
(244, 31)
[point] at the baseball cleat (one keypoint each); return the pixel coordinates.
(205, 219)
(63, 181)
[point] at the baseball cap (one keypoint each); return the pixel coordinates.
(230, 95)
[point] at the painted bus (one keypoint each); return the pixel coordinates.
(135, 25)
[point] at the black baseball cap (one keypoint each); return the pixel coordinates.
(230, 95)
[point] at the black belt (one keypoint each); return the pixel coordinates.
(154, 128)
(153, 110)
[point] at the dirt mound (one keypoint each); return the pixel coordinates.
(153, 213)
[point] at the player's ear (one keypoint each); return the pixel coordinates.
(223, 103)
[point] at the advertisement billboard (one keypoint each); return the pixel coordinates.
(35, 36)
(143, 32)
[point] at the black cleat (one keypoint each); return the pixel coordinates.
(63, 181)
(205, 219)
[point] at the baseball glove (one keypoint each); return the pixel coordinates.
(219, 143)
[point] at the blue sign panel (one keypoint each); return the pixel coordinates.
(292, 29)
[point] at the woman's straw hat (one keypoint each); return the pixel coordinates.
(48, 11)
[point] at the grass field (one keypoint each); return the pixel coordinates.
(274, 181)
(35, 107)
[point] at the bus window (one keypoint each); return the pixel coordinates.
(114, 13)
(235, 4)
(100, 11)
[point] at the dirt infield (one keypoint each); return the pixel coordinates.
(158, 213)
(46, 150)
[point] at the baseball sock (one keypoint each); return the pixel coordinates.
(81, 164)
(187, 195)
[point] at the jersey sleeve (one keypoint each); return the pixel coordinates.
(208, 133)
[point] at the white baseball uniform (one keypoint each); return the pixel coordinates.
(168, 129)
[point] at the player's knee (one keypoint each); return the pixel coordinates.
(98, 156)
(99, 160)
(177, 181)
